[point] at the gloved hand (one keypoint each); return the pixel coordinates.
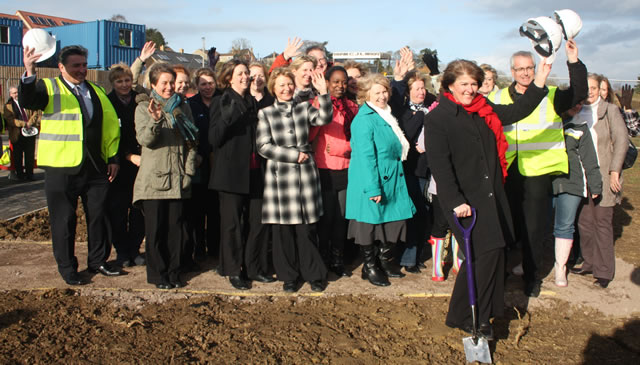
(626, 97)
(431, 61)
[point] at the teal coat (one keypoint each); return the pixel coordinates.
(376, 169)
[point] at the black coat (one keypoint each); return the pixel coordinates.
(232, 135)
(201, 113)
(464, 161)
(411, 123)
(128, 142)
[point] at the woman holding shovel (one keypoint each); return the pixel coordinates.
(466, 155)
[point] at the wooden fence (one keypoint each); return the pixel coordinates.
(10, 76)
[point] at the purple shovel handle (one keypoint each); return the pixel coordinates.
(466, 233)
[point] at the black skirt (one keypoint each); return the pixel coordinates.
(366, 233)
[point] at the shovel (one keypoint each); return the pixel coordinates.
(476, 348)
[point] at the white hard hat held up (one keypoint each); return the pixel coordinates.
(545, 35)
(570, 22)
(41, 41)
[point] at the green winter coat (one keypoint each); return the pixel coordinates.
(376, 169)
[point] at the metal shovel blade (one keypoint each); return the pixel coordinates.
(477, 350)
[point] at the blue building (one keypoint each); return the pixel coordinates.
(10, 40)
(108, 42)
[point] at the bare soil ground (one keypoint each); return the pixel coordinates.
(126, 320)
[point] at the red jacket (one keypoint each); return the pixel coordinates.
(331, 148)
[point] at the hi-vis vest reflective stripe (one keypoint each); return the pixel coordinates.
(61, 132)
(537, 140)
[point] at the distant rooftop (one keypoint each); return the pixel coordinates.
(35, 20)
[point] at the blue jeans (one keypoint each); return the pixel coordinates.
(566, 207)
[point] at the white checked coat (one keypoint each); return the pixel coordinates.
(292, 192)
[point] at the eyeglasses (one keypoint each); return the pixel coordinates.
(520, 70)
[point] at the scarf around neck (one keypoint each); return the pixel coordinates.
(178, 119)
(393, 123)
(485, 111)
(342, 106)
(418, 107)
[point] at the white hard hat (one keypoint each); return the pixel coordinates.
(42, 41)
(29, 132)
(570, 22)
(545, 35)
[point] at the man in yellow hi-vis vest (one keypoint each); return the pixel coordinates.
(79, 136)
(536, 152)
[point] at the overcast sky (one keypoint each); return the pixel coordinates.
(482, 30)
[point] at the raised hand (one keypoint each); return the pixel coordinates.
(30, 57)
(155, 110)
(572, 51)
(404, 64)
(625, 97)
(148, 50)
(319, 82)
(293, 48)
(432, 63)
(543, 71)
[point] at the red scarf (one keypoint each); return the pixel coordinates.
(342, 105)
(479, 105)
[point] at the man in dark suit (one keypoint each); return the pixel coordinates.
(78, 149)
(24, 146)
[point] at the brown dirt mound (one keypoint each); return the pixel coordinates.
(340, 329)
(35, 227)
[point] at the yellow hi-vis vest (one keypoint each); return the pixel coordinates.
(537, 140)
(61, 132)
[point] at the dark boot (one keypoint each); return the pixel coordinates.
(386, 261)
(370, 269)
(337, 262)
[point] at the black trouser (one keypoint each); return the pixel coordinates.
(163, 220)
(333, 226)
(295, 252)
(488, 269)
(127, 223)
(440, 224)
(25, 149)
(62, 191)
(202, 210)
(530, 203)
(234, 249)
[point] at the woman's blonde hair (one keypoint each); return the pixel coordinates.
(357, 65)
(280, 71)
(264, 70)
(414, 76)
(298, 62)
(119, 70)
(366, 83)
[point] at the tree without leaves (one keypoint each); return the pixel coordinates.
(240, 44)
(118, 18)
(152, 34)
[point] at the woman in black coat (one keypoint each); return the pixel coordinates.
(465, 148)
(409, 106)
(126, 221)
(238, 176)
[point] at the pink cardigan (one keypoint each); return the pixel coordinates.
(331, 148)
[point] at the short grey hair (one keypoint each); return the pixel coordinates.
(522, 54)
